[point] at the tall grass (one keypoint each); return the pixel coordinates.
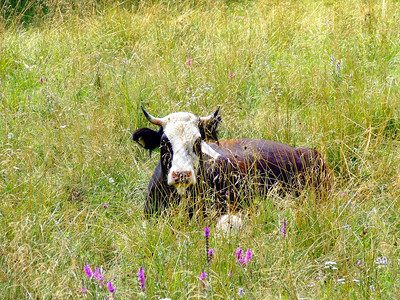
(322, 74)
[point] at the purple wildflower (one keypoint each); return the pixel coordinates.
(239, 256)
(229, 274)
(243, 260)
(96, 273)
(83, 290)
(203, 276)
(360, 263)
(110, 287)
(231, 75)
(41, 80)
(104, 205)
(88, 271)
(249, 256)
(238, 253)
(142, 279)
(283, 229)
(210, 254)
(207, 232)
(101, 278)
(29, 97)
(338, 66)
(189, 62)
(372, 288)
(98, 276)
(241, 292)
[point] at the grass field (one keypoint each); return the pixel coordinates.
(321, 74)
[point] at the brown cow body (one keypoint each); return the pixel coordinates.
(226, 171)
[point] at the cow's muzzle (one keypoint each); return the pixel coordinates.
(182, 177)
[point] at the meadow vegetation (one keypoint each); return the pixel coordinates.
(322, 74)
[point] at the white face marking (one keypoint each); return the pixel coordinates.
(182, 130)
(206, 149)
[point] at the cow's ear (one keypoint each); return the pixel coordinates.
(147, 138)
(209, 127)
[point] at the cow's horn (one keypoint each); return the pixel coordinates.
(212, 116)
(217, 111)
(154, 120)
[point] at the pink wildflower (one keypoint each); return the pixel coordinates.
(88, 271)
(238, 253)
(210, 254)
(243, 260)
(207, 232)
(249, 256)
(203, 276)
(283, 229)
(240, 258)
(98, 276)
(110, 287)
(142, 279)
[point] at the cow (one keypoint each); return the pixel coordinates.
(195, 164)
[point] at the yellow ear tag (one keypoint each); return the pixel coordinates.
(142, 142)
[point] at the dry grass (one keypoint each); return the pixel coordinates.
(322, 74)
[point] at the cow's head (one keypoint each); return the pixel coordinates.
(181, 140)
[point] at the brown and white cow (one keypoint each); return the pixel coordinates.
(194, 163)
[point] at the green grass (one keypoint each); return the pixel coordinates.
(322, 74)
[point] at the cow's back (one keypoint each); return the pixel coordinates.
(265, 163)
(260, 154)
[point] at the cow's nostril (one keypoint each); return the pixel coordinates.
(181, 176)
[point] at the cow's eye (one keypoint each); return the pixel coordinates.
(166, 153)
(165, 145)
(164, 141)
